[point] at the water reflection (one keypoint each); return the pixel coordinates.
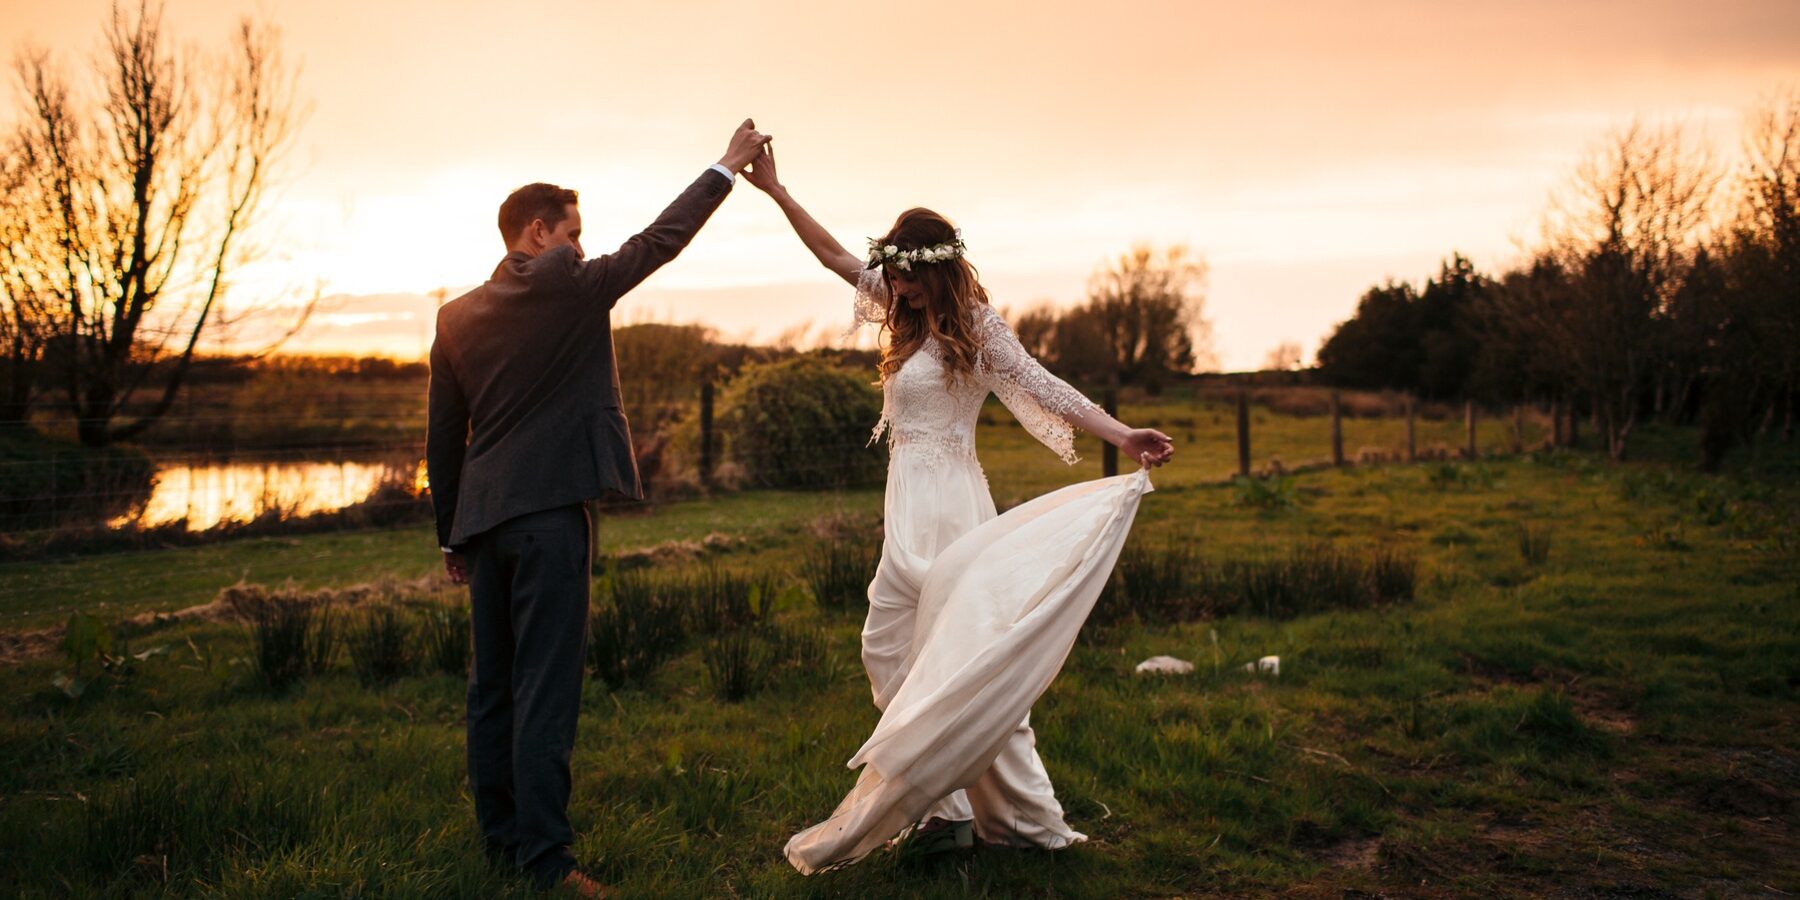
(209, 494)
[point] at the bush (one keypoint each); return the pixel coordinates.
(380, 642)
(292, 639)
(1534, 544)
(738, 664)
(719, 600)
(801, 423)
(1311, 578)
(1155, 585)
(447, 639)
(47, 483)
(838, 570)
(744, 662)
(1169, 584)
(634, 630)
(1271, 492)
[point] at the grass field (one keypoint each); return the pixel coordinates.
(1612, 718)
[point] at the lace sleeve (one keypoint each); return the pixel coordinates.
(1039, 400)
(871, 300)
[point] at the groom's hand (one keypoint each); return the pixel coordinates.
(746, 143)
(456, 566)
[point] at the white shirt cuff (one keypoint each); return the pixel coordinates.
(724, 171)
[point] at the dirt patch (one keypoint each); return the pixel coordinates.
(1358, 853)
(1737, 795)
(1598, 709)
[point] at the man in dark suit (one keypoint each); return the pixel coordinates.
(524, 428)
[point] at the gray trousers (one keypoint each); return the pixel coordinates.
(528, 589)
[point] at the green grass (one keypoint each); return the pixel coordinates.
(1616, 718)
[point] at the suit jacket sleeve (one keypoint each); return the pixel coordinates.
(446, 436)
(607, 278)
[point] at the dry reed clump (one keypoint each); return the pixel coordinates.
(243, 601)
(670, 552)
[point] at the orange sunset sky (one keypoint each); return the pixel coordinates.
(1307, 150)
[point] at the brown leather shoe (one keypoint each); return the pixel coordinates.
(581, 885)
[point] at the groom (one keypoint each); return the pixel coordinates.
(524, 427)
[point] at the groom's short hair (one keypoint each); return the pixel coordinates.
(533, 201)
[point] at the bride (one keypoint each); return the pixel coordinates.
(970, 614)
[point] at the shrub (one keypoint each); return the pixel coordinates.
(803, 423)
(1534, 544)
(838, 570)
(738, 664)
(634, 630)
(1310, 578)
(380, 642)
(1157, 584)
(292, 639)
(719, 600)
(803, 652)
(744, 662)
(447, 638)
(47, 483)
(1272, 492)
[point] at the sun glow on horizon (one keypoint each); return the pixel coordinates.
(1306, 151)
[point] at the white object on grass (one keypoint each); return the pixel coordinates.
(1165, 664)
(1269, 664)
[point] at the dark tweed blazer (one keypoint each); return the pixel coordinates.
(524, 408)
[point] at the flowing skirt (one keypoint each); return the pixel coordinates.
(971, 616)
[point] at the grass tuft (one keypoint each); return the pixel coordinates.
(380, 641)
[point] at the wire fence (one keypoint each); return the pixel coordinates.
(71, 502)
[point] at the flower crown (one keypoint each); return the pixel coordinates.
(888, 254)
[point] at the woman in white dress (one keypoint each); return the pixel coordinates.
(970, 615)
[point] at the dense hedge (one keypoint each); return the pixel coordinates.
(802, 422)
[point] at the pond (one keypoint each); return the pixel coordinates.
(209, 493)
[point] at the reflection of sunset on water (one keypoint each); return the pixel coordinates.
(207, 495)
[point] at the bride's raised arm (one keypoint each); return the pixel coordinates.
(830, 253)
(1047, 406)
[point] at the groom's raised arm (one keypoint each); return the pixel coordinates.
(606, 278)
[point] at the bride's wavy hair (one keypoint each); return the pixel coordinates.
(952, 288)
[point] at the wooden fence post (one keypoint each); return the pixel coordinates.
(706, 432)
(1469, 420)
(1337, 430)
(1412, 417)
(1242, 432)
(1109, 455)
(1518, 445)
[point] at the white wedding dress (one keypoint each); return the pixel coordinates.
(970, 614)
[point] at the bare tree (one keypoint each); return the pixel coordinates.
(24, 319)
(149, 200)
(1286, 357)
(1036, 328)
(1626, 232)
(1147, 310)
(1767, 238)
